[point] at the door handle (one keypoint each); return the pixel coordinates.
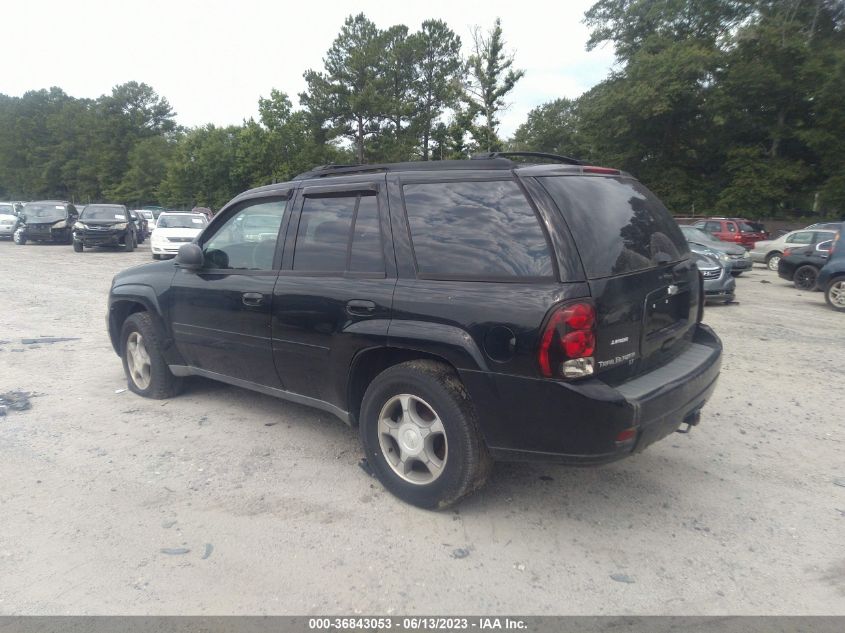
(360, 307)
(252, 299)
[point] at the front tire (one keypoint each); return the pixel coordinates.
(834, 294)
(805, 277)
(78, 247)
(772, 260)
(129, 243)
(420, 435)
(19, 237)
(147, 373)
(156, 256)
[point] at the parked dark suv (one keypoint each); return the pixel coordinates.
(458, 312)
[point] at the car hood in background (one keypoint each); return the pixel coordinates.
(164, 232)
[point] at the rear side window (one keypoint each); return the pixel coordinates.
(338, 234)
(804, 237)
(619, 226)
(475, 230)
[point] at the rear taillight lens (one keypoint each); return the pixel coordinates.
(568, 342)
(787, 252)
(834, 243)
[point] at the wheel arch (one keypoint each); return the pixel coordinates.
(369, 363)
(129, 299)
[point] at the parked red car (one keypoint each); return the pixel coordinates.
(735, 230)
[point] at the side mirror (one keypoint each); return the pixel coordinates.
(189, 257)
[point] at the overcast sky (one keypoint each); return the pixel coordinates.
(213, 59)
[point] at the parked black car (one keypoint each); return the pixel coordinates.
(832, 276)
(458, 312)
(801, 266)
(141, 226)
(46, 221)
(105, 225)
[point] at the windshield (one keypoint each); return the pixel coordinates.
(697, 235)
(7, 209)
(95, 212)
(618, 224)
(181, 222)
(44, 212)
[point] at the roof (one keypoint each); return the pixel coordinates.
(490, 160)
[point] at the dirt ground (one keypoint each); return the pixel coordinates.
(224, 501)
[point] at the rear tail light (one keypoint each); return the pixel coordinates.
(568, 342)
(834, 243)
(787, 252)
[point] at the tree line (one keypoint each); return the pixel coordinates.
(732, 106)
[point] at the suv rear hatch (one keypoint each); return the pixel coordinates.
(749, 235)
(642, 279)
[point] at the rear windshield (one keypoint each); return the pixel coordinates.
(44, 212)
(619, 226)
(745, 227)
(94, 212)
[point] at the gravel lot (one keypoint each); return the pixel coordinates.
(101, 490)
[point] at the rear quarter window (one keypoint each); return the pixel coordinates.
(476, 230)
(619, 226)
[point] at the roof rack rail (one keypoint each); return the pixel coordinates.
(555, 157)
(324, 171)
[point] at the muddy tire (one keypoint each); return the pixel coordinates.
(141, 345)
(420, 435)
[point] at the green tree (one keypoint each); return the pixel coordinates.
(439, 69)
(490, 77)
(349, 95)
(552, 127)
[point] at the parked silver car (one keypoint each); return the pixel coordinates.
(769, 252)
(724, 252)
(719, 284)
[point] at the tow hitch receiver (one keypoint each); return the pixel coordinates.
(691, 420)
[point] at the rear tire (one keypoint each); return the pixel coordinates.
(78, 247)
(772, 260)
(420, 435)
(834, 294)
(147, 373)
(805, 277)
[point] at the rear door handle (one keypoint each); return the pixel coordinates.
(360, 307)
(252, 299)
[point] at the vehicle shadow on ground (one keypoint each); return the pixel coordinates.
(538, 488)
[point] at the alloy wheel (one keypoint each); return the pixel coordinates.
(412, 439)
(138, 360)
(772, 262)
(836, 294)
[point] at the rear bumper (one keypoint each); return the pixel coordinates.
(526, 419)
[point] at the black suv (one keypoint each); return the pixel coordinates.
(105, 225)
(458, 312)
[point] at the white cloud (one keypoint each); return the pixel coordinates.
(213, 59)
